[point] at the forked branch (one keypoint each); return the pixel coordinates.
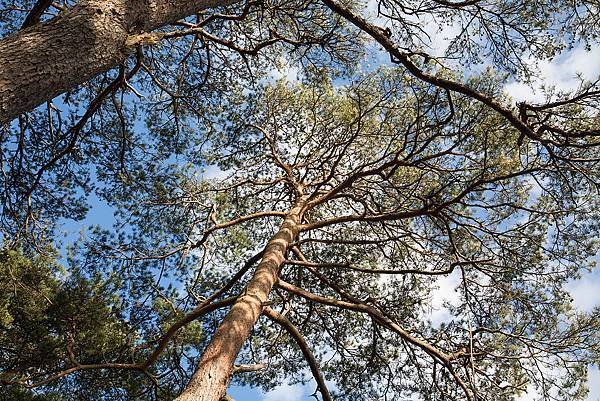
(308, 355)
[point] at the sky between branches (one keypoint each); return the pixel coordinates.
(561, 73)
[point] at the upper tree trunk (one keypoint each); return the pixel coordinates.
(47, 59)
(212, 376)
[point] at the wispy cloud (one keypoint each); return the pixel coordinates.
(285, 392)
(446, 292)
(586, 291)
(561, 73)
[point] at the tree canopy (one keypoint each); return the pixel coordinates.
(271, 229)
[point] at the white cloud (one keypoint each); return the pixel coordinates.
(586, 291)
(213, 171)
(564, 68)
(520, 92)
(594, 384)
(446, 291)
(440, 35)
(284, 71)
(530, 395)
(561, 72)
(285, 392)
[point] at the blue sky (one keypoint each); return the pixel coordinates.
(560, 72)
(586, 291)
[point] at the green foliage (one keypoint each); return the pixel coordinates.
(55, 319)
(17, 394)
(415, 176)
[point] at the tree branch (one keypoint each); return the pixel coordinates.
(308, 355)
(36, 13)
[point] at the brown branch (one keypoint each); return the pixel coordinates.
(425, 210)
(365, 218)
(155, 38)
(66, 372)
(75, 130)
(458, 3)
(235, 221)
(377, 315)
(380, 318)
(199, 311)
(36, 13)
(349, 266)
(287, 169)
(213, 371)
(205, 307)
(398, 56)
(308, 355)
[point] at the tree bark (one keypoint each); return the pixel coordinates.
(213, 373)
(47, 59)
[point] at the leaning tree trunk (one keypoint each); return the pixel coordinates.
(47, 59)
(213, 373)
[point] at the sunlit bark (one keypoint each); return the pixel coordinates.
(47, 59)
(213, 373)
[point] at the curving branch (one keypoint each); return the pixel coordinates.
(201, 310)
(36, 13)
(398, 56)
(382, 319)
(349, 266)
(101, 33)
(235, 221)
(308, 355)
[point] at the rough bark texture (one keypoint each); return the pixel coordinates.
(47, 59)
(212, 376)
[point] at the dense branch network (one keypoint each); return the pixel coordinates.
(266, 227)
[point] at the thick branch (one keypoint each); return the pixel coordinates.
(371, 311)
(380, 318)
(47, 59)
(383, 38)
(373, 218)
(212, 376)
(349, 266)
(36, 13)
(201, 310)
(235, 221)
(308, 355)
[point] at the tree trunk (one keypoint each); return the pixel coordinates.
(47, 59)
(212, 376)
